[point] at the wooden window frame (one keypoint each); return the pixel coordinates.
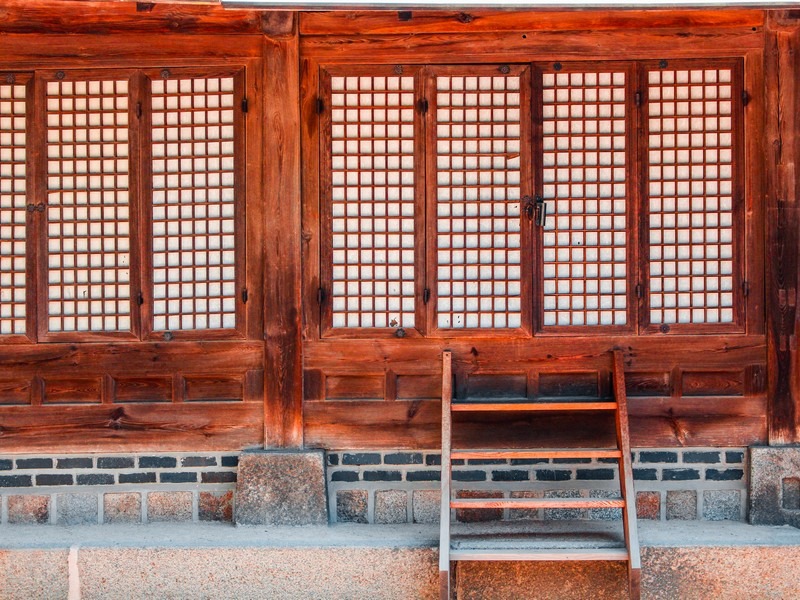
(637, 245)
(140, 206)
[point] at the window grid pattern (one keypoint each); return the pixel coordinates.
(193, 162)
(478, 145)
(584, 184)
(690, 179)
(13, 129)
(373, 201)
(88, 209)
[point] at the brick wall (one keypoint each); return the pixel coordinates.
(116, 488)
(403, 487)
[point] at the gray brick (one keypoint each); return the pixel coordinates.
(595, 474)
(645, 475)
(701, 457)
(74, 463)
(34, 463)
(333, 459)
(217, 477)
(734, 457)
(424, 476)
(9, 481)
(148, 477)
(433, 460)
(199, 461)
(115, 462)
(55, 479)
(95, 479)
(6, 465)
(658, 457)
(553, 475)
(469, 476)
(403, 458)
(344, 476)
(724, 474)
(157, 462)
(180, 477)
(382, 476)
(512, 475)
(361, 458)
(229, 461)
(680, 474)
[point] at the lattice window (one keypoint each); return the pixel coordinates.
(13, 189)
(478, 139)
(584, 182)
(194, 202)
(88, 206)
(691, 181)
(373, 199)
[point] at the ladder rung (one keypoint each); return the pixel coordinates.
(539, 554)
(537, 503)
(537, 453)
(531, 406)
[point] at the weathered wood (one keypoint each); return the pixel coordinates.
(487, 20)
(103, 18)
(283, 391)
(132, 427)
(783, 227)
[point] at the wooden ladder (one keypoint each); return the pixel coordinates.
(626, 502)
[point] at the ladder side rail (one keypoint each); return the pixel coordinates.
(444, 515)
(625, 476)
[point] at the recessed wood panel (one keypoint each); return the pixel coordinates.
(647, 384)
(569, 384)
(346, 387)
(143, 389)
(15, 391)
(211, 388)
(73, 390)
(419, 387)
(719, 383)
(506, 385)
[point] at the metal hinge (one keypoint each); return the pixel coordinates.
(637, 98)
(539, 211)
(139, 298)
(244, 295)
(320, 105)
(320, 296)
(426, 295)
(423, 106)
(745, 288)
(245, 105)
(35, 207)
(639, 290)
(745, 98)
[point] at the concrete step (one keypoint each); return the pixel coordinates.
(688, 560)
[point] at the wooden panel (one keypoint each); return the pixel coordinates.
(15, 391)
(166, 427)
(356, 388)
(724, 383)
(639, 383)
(213, 388)
(486, 20)
(73, 390)
(569, 384)
(418, 387)
(654, 423)
(142, 389)
(496, 386)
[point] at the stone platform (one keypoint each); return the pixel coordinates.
(175, 560)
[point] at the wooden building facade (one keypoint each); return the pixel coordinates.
(225, 228)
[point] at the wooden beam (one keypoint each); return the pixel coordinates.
(783, 227)
(283, 415)
(488, 20)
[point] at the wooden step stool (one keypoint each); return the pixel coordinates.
(626, 501)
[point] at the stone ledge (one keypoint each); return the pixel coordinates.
(680, 560)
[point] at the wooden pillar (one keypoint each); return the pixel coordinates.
(782, 80)
(283, 408)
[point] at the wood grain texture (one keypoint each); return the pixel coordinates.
(283, 305)
(487, 20)
(783, 228)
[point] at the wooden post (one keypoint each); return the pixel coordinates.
(782, 105)
(283, 391)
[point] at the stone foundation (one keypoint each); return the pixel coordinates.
(775, 485)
